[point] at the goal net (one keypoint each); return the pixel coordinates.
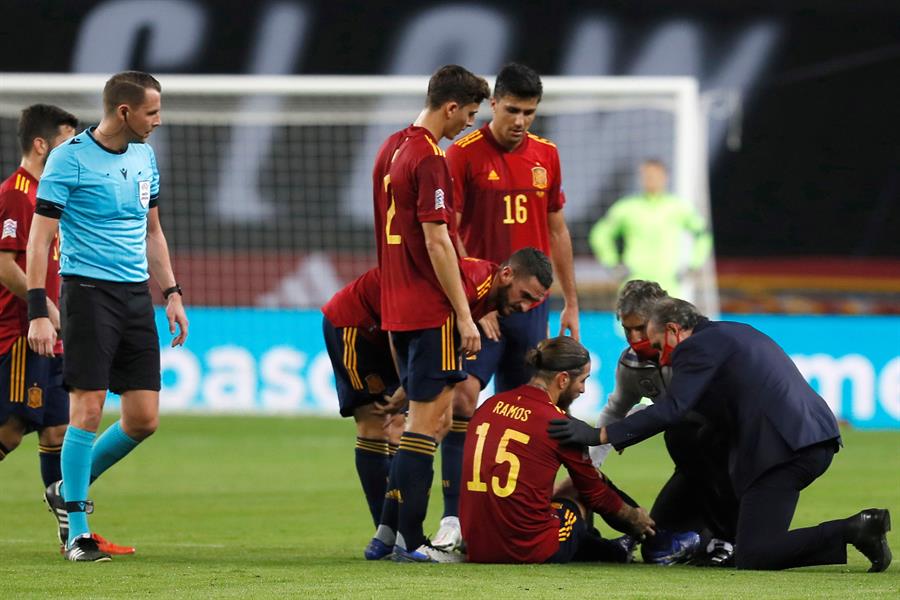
(266, 187)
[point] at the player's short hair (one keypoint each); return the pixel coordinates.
(558, 354)
(527, 262)
(674, 310)
(637, 297)
(518, 80)
(654, 162)
(127, 87)
(453, 83)
(42, 121)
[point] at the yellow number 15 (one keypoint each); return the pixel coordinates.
(503, 456)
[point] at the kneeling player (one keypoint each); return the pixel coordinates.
(510, 463)
(366, 379)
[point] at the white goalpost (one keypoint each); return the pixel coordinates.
(266, 193)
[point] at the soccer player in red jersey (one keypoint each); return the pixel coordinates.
(507, 189)
(365, 375)
(32, 397)
(507, 511)
(422, 299)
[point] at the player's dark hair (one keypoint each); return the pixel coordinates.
(674, 310)
(654, 162)
(558, 354)
(127, 87)
(519, 81)
(42, 121)
(531, 261)
(452, 83)
(637, 297)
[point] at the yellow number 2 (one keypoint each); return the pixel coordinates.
(392, 238)
(520, 206)
(503, 456)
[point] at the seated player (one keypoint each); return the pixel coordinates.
(516, 286)
(698, 497)
(507, 511)
(368, 388)
(32, 396)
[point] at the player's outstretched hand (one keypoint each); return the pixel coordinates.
(490, 326)
(641, 524)
(574, 432)
(470, 338)
(176, 315)
(41, 336)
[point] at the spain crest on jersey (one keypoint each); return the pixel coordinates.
(35, 397)
(539, 177)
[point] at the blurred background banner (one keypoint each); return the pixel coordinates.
(274, 361)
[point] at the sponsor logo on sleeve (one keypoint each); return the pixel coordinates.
(144, 187)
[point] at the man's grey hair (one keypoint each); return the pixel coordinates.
(637, 297)
(674, 310)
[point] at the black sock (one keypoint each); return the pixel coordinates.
(50, 468)
(372, 465)
(451, 464)
(413, 471)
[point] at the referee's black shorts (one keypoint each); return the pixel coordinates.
(109, 336)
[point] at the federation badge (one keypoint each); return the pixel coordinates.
(374, 384)
(539, 177)
(35, 397)
(144, 188)
(438, 199)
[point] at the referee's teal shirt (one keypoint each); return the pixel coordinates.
(104, 197)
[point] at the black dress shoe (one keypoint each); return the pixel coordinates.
(866, 531)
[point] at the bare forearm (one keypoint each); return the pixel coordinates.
(158, 260)
(37, 252)
(12, 277)
(563, 263)
(444, 261)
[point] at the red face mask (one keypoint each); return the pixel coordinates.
(665, 357)
(644, 350)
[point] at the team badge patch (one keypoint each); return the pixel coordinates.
(374, 384)
(144, 189)
(35, 397)
(9, 228)
(539, 177)
(438, 199)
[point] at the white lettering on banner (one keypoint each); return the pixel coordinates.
(284, 388)
(889, 387)
(321, 381)
(830, 373)
(186, 370)
(230, 383)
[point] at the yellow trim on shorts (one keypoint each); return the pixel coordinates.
(350, 357)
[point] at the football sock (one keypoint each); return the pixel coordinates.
(76, 470)
(111, 447)
(372, 465)
(50, 467)
(451, 464)
(413, 472)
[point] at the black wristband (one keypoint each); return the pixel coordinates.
(175, 289)
(37, 304)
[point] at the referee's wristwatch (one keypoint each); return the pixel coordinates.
(175, 289)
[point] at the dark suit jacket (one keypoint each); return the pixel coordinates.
(745, 384)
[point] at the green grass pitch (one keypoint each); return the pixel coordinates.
(236, 507)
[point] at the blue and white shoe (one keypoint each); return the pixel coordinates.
(670, 548)
(378, 550)
(426, 553)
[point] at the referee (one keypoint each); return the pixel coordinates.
(101, 191)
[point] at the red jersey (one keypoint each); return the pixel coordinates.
(477, 277)
(509, 467)
(504, 197)
(18, 196)
(411, 185)
(358, 304)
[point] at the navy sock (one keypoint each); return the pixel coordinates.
(51, 471)
(413, 472)
(372, 465)
(451, 464)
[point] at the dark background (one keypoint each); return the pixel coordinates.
(818, 168)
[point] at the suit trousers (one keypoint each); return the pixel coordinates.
(767, 507)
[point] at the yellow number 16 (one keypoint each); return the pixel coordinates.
(520, 204)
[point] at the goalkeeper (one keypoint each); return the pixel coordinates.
(651, 226)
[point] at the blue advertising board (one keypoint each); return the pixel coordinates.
(274, 361)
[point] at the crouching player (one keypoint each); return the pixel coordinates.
(507, 512)
(368, 388)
